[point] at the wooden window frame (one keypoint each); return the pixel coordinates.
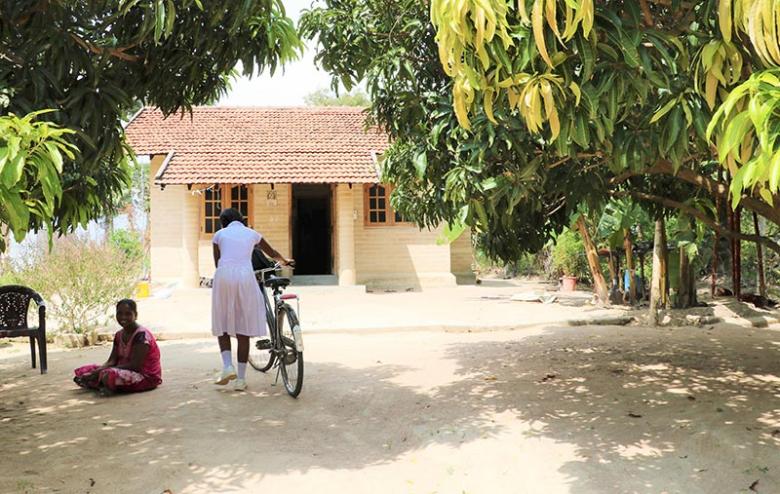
(389, 210)
(226, 201)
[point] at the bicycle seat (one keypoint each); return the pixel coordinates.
(277, 282)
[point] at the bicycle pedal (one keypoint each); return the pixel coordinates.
(290, 358)
(263, 344)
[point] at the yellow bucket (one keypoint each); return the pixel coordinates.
(142, 289)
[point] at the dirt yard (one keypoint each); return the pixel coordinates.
(557, 410)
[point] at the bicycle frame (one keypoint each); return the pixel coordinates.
(271, 312)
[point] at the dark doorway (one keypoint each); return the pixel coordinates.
(311, 229)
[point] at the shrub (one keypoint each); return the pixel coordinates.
(8, 274)
(128, 242)
(568, 255)
(81, 280)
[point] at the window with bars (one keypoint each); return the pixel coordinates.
(239, 199)
(377, 206)
(212, 202)
(222, 197)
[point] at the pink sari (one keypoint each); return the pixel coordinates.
(125, 380)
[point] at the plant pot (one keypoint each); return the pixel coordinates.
(568, 284)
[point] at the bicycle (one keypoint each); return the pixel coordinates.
(285, 351)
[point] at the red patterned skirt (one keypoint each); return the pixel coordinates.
(121, 380)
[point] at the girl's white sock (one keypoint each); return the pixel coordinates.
(242, 370)
(227, 359)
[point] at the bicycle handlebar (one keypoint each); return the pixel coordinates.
(277, 266)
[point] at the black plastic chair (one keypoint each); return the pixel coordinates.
(14, 304)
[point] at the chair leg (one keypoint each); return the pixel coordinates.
(32, 350)
(42, 352)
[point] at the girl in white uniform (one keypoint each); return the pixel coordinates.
(237, 307)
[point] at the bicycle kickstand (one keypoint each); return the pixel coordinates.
(278, 371)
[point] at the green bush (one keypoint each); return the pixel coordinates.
(128, 242)
(81, 281)
(568, 256)
(8, 273)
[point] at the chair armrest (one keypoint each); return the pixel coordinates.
(42, 317)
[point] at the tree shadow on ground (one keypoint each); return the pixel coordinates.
(646, 412)
(643, 410)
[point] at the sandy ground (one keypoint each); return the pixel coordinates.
(187, 312)
(557, 410)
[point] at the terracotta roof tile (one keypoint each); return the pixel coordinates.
(260, 145)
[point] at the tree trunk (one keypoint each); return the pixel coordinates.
(665, 261)
(692, 286)
(628, 246)
(686, 291)
(760, 259)
(733, 252)
(108, 227)
(738, 254)
(659, 290)
(715, 242)
(714, 280)
(599, 284)
(613, 270)
(5, 239)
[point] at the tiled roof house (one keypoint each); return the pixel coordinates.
(307, 178)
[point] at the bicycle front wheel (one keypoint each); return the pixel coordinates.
(291, 362)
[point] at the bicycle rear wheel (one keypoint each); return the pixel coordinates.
(292, 361)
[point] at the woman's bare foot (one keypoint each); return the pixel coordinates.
(105, 391)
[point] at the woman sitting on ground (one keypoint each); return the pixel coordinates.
(134, 363)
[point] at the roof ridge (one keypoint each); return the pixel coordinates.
(334, 108)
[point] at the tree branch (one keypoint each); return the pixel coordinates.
(712, 186)
(648, 16)
(114, 52)
(580, 156)
(701, 216)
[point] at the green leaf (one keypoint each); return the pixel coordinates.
(18, 215)
(663, 111)
(159, 25)
(170, 17)
(630, 53)
(734, 135)
(767, 196)
(450, 233)
(13, 170)
(481, 213)
(4, 152)
(421, 164)
(54, 154)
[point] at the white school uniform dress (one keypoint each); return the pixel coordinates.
(237, 306)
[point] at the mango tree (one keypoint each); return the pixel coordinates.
(538, 107)
(94, 61)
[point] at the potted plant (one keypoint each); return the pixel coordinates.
(567, 258)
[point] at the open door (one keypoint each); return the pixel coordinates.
(312, 229)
